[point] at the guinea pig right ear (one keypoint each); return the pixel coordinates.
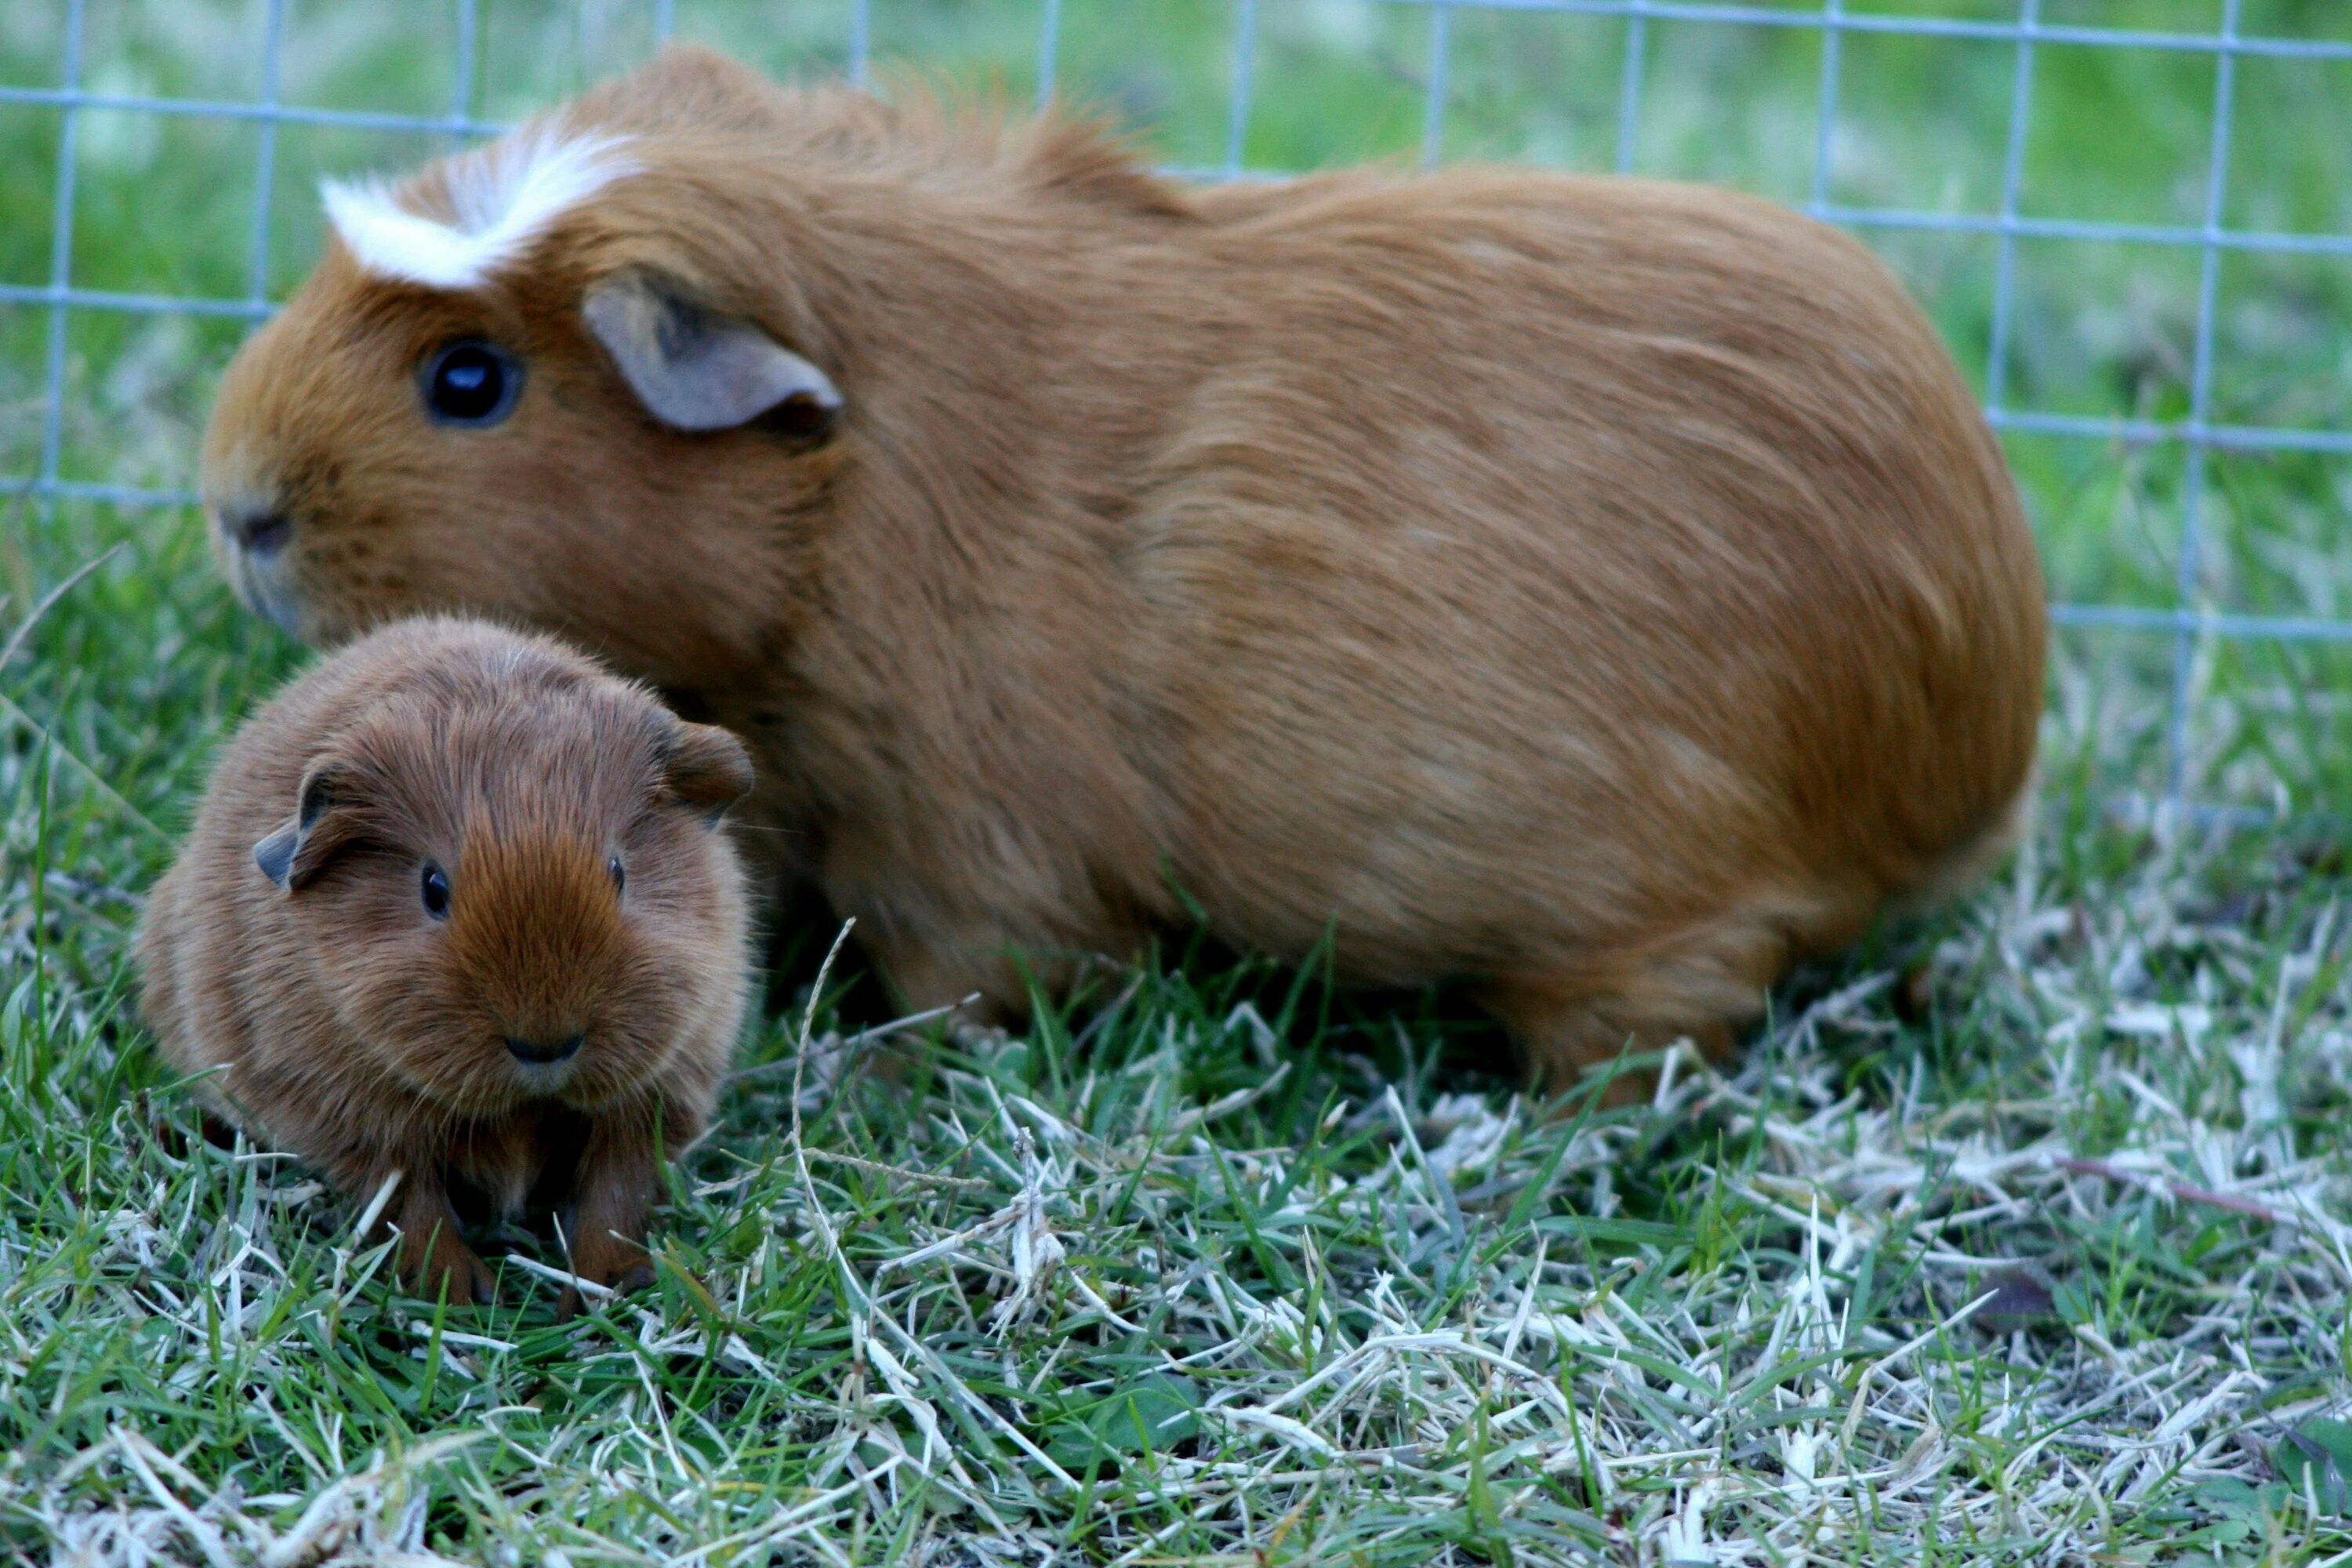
(706, 768)
(694, 369)
(298, 850)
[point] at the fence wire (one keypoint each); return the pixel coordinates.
(2184, 624)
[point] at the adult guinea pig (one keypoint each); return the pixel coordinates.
(455, 907)
(1597, 590)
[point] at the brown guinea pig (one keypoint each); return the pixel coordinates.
(456, 907)
(1599, 590)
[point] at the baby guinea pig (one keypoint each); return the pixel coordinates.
(456, 906)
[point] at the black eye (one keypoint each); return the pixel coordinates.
(471, 382)
(436, 893)
(613, 869)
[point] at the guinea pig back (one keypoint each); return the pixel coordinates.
(1598, 591)
(457, 906)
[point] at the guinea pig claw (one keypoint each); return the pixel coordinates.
(466, 1280)
(447, 1267)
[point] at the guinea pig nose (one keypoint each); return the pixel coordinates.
(263, 533)
(545, 1053)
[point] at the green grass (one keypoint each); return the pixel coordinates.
(1215, 1262)
(2023, 1235)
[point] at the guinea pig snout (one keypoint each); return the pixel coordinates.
(542, 1053)
(537, 939)
(254, 531)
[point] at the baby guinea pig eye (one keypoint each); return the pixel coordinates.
(437, 891)
(613, 869)
(470, 383)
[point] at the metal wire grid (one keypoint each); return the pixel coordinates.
(2184, 624)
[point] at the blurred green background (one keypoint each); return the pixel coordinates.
(165, 205)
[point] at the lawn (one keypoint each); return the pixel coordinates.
(2022, 1235)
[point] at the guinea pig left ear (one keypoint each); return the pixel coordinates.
(294, 854)
(706, 768)
(695, 369)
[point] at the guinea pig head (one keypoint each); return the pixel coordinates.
(566, 380)
(504, 904)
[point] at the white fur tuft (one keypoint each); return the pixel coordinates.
(504, 194)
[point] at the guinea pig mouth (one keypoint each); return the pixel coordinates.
(542, 1080)
(259, 580)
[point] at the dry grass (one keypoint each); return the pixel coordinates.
(2024, 1236)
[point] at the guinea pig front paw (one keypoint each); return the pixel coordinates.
(444, 1268)
(434, 1261)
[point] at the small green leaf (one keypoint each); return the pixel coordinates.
(2237, 1503)
(2335, 1438)
(2073, 1302)
(1158, 1411)
(1149, 1416)
(2314, 1460)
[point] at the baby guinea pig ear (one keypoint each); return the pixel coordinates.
(696, 369)
(321, 827)
(706, 768)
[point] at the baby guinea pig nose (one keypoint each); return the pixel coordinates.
(406, 861)
(545, 1053)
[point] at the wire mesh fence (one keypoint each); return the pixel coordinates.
(2242, 257)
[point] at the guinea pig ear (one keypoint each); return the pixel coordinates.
(300, 848)
(706, 768)
(693, 368)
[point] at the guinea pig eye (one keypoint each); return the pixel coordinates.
(613, 869)
(471, 382)
(436, 893)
